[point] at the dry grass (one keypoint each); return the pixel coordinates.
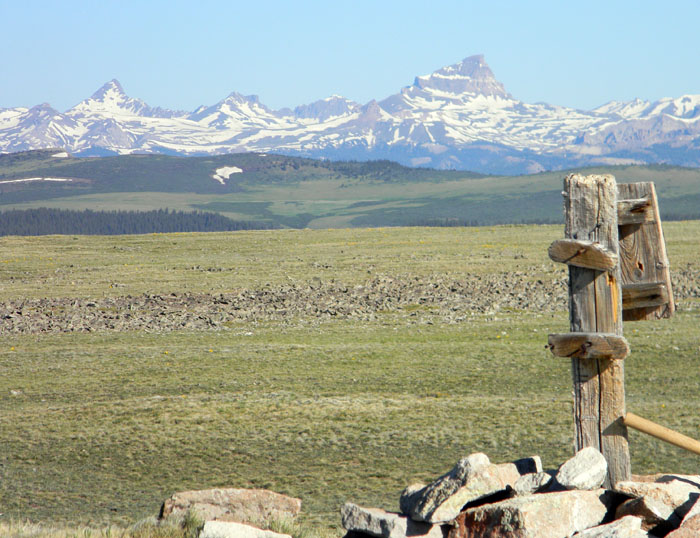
(17, 529)
(84, 266)
(98, 429)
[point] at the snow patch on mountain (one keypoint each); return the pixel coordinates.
(110, 100)
(459, 116)
(325, 109)
(25, 180)
(224, 173)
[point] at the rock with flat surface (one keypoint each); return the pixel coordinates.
(655, 514)
(446, 494)
(231, 504)
(532, 483)
(674, 490)
(384, 524)
(585, 471)
(544, 515)
(231, 529)
(627, 527)
(473, 478)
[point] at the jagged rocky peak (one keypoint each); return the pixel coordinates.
(233, 105)
(113, 87)
(471, 75)
(235, 97)
(42, 110)
(335, 105)
(236, 101)
(111, 98)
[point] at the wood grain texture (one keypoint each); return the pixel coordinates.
(635, 211)
(662, 432)
(582, 254)
(595, 305)
(643, 258)
(589, 345)
(643, 295)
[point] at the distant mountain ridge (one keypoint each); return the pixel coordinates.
(458, 117)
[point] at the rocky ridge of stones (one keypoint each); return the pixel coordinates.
(448, 299)
(424, 299)
(468, 503)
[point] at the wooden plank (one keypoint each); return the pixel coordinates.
(582, 254)
(643, 295)
(589, 346)
(596, 306)
(643, 258)
(635, 211)
(661, 432)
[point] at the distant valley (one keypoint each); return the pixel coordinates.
(458, 117)
(281, 191)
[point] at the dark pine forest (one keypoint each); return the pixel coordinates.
(45, 221)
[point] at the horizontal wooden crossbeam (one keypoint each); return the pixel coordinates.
(589, 345)
(644, 295)
(586, 254)
(636, 211)
(661, 432)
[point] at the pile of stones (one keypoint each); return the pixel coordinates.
(478, 499)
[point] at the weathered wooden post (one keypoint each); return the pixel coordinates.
(618, 269)
(646, 277)
(595, 344)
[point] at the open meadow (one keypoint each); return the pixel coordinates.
(331, 365)
(277, 191)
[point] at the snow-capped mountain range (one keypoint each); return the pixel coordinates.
(459, 117)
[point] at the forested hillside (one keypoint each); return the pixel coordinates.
(45, 221)
(292, 192)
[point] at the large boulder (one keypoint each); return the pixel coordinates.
(586, 470)
(377, 522)
(230, 504)
(473, 478)
(678, 491)
(662, 504)
(544, 515)
(532, 483)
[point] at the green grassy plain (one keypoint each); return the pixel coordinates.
(100, 428)
(293, 192)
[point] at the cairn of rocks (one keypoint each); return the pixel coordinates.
(479, 499)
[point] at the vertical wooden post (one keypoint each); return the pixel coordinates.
(643, 256)
(595, 305)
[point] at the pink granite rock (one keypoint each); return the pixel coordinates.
(229, 504)
(544, 515)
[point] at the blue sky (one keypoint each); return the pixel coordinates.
(183, 54)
